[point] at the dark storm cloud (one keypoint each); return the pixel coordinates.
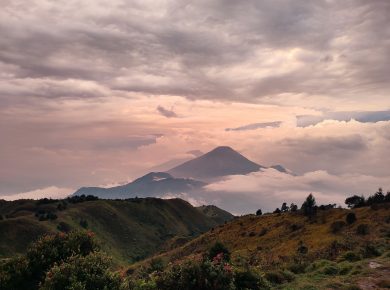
(187, 48)
(166, 113)
(256, 126)
(363, 117)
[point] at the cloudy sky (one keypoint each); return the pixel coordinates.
(97, 92)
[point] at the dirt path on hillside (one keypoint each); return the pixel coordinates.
(378, 279)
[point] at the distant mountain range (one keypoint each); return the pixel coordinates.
(219, 162)
(151, 184)
(188, 177)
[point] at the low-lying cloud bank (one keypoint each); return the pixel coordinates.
(268, 189)
(48, 192)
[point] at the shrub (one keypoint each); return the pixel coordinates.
(345, 268)
(298, 268)
(275, 277)
(84, 223)
(29, 271)
(362, 229)
(64, 227)
(337, 226)
(351, 257)
(219, 248)
(244, 280)
(259, 212)
(262, 232)
(295, 227)
(279, 277)
(205, 275)
(370, 250)
(293, 207)
(87, 273)
(350, 218)
(330, 270)
(302, 249)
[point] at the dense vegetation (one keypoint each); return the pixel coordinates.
(314, 247)
(129, 230)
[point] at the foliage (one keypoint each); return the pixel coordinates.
(64, 227)
(82, 272)
(337, 226)
(83, 223)
(81, 198)
(362, 229)
(309, 206)
(259, 212)
(42, 256)
(247, 279)
(293, 207)
(219, 248)
(359, 201)
(350, 218)
(205, 275)
(284, 207)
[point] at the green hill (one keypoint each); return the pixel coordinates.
(129, 230)
(219, 215)
(296, 252)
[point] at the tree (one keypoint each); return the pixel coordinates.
(277, 210)
(293, 207)
(378, 197)
(355, 201)
(259, 212)
(350, 218)
(309, 206)
(284, 207)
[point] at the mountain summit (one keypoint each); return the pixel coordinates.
(220, 161)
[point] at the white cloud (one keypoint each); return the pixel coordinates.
(48, 192)
(268, 189)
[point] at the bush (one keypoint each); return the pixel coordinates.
(205, 275)
(337, 226)
(345, 268)
(275, 277)
(244, 280)
(330, 270)
(350, 218)
(259, 212)
(370, 250)
(64, 227)
(84, 223)
(309, 206)
(29, 271)
(219, 248)
(262, 232)
(351, 257)
(362, 229)
(279, 277)
(87, 273)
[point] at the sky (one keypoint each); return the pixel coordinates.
(98, 93)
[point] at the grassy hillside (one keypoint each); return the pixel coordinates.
(273, 239)
(296, 252)
(129, 230)
(219, 215)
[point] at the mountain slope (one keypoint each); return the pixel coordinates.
(273, 239)
(152, 184)
(219, 162)
(218, 215)
(129, 230)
